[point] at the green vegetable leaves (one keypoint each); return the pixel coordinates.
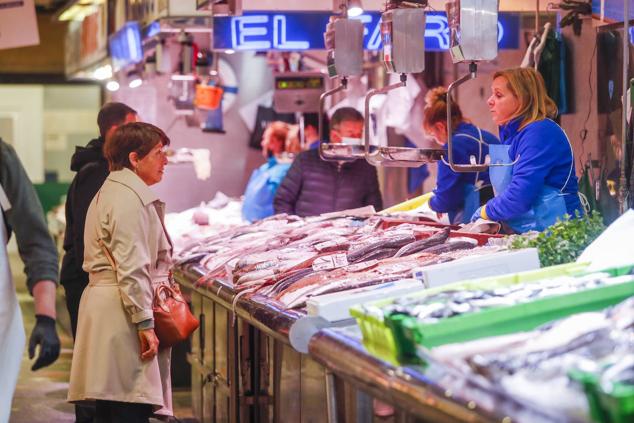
(564, 241)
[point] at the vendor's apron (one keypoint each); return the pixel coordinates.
(12, 337)
(547, 208)
(470, 192)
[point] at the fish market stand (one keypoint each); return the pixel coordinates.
(245, 369)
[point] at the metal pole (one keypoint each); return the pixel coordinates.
(331, 397)
(626, 56)
(536, 17)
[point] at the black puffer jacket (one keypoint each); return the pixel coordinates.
(92, 170)
(313, 186)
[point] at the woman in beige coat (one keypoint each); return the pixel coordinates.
(117, 361)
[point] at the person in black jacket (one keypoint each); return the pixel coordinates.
(92, 170)
(313, 186)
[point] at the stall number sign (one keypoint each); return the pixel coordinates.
(304, 31)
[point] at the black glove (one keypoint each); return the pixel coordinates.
(44, 334)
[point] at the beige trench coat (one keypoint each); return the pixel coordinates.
(128, 218)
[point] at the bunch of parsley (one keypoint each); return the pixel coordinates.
(564, 241)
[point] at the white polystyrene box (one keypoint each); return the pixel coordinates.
(501, 263)
(335, 306)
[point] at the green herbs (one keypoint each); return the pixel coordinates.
(564, 241)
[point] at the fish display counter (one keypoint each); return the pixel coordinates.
(252, 286)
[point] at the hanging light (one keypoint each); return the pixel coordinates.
(112, 86)
(134, 79)
(354, 8)
(136, 82)
(102, 73)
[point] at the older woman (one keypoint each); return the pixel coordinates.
(117, 361)
(537, 183)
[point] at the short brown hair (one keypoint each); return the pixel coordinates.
(436, 108)
(112, 114)
(139, 137)
(527, 85)
(345, 114)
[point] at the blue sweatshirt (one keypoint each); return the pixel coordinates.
(449, 192)
(545, 159)
(261, 189)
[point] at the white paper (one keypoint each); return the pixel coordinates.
(613, 248)
(18, 24)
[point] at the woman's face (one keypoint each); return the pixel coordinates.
(503, 105)
(150, 168)
(271, 143)
(438, 131)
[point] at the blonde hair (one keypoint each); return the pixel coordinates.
(527, 85)
(436, 108)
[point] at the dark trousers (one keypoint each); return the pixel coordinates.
(73, 296)
(122, 412)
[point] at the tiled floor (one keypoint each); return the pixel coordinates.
(40, 397)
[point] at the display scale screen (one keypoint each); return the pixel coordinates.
(299, 83)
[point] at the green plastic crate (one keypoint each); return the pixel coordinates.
(616, 406)
(504, 320)
(388, 343)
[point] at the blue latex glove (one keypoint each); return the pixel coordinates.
(477, 214)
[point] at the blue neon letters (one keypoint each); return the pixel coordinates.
(303, 31)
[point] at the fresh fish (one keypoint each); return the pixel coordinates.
(450, 246)
(378, 254)
(423, 244)
(393, 241)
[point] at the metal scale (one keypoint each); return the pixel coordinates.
(403, 37)
(346, 59)
(473, 37)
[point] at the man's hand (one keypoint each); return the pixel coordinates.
(45, 335)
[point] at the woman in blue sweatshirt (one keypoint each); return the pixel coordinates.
(537, 182)
(457, 194)
(264, 181)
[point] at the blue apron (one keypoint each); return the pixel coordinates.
(470, 193)
(548, 206)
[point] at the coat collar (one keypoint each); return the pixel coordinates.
(511, 128)
(130, 179)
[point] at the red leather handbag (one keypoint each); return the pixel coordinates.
(173, 321)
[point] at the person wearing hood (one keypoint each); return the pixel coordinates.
(92, 170)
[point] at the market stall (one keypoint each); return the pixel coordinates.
(250, 356)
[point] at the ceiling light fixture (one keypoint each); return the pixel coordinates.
(112, 86)
(354, 8)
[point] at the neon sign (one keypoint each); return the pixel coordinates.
(304, 31)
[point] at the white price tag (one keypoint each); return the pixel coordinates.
(330, 262)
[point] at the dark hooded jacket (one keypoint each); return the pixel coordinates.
(92, 170)
(313, 186)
